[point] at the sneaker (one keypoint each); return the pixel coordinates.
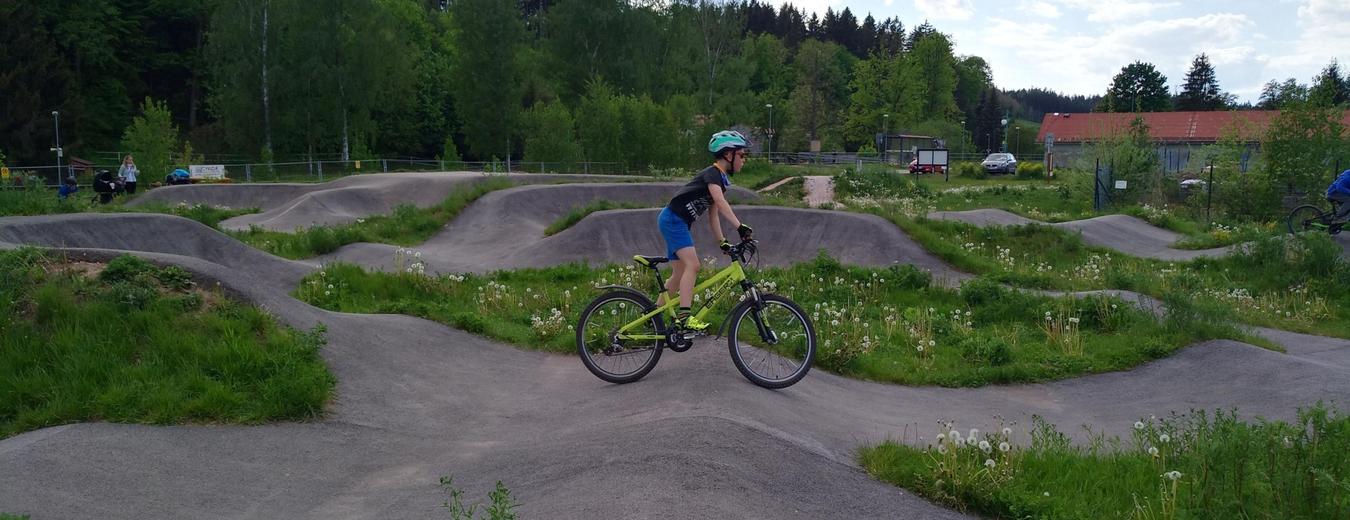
(692, 323)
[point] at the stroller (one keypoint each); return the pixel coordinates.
(105, 186)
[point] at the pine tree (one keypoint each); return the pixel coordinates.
(988, 131)
(1330, 87)
(1201, 88)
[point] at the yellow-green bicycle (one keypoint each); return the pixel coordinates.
(621, 333)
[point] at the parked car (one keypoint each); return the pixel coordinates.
(1190, 185)
(927, 168)
(1000, 163)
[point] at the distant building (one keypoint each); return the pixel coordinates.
(900, 148)
(1176, 134)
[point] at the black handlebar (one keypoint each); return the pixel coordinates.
(742, 251)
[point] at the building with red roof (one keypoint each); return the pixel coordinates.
(1177, 134)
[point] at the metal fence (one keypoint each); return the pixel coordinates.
(317, 170)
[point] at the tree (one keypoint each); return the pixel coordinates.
(34, 80)
(820, 88)
(598, 124)
(1330, 88)
(1276, 95)
(1200, 91)
(1139, 87)
(237, 51)
(152, 137)
(487, 98)
(973, 78)
(648, 133)
(931, 69)
(1301, 145)
(987, 131)
(549, 135)
(868, 100)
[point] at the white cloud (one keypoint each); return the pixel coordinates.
(945, 9)
(1321, 33)
(1040, 9)
(1044, 56)
(1116, 10)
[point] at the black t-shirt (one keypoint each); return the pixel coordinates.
(694, 198)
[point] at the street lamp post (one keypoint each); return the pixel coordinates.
(769, 132)
(56, 117)
(885, 141)
(1017, 139)
(963, 137)
(1004, 124)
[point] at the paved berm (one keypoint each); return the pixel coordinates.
(417, 400)
(1129, 235)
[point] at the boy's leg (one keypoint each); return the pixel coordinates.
(672, 283)
(1342, 203)
(689, 260)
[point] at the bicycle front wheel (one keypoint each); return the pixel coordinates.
(1307, 218)
(603, 352)
(773, 343)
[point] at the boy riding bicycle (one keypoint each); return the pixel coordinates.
(707, 189)
(1339, 196)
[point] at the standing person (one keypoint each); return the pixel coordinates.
(707, 189)
(128, 173)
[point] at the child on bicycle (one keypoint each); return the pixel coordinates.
(1339, 196)
(707, 189)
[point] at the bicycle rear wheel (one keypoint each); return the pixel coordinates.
(604, 354)
(1307, 218)
(772, 344)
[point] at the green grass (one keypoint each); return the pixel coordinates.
(42, 201)
(578, 213)
(759, 173)
(1066, 198)
(1200, 235)
(1206, 466)
(140, 344)
(7, 516)
(870, 321)
(1291, 283)
(407, 225)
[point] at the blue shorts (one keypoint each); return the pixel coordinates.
(676, 232)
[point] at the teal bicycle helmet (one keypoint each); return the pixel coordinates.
(727, 140)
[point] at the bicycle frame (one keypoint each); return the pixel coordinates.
(723, 280)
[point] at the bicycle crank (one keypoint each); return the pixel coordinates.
(680, 340)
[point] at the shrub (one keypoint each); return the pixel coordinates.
(1030, 170)
(992, 351)
(971, 170)
(126, 268)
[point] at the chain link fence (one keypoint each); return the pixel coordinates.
(307, 171)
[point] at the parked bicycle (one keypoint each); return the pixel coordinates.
(772, 341)
(1309, 217)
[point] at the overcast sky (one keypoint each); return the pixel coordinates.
(1076, 46)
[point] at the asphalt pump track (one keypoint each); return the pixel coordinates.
(417, 400)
